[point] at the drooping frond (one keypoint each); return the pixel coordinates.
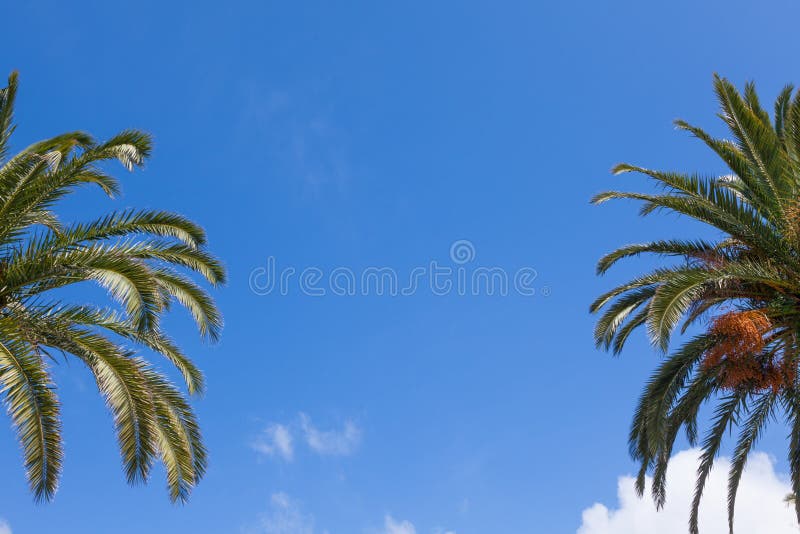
(193, 298)
(178, 436)
(144, 259)
(724, 417)
(153, 340)
(758, 417)
(660, 396)
(741, 290)
(120, 379)
(34, 410)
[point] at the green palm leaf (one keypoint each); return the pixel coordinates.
(741, 290)
(144, 259)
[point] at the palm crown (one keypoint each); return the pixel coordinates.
(741, 291)
(141, 258)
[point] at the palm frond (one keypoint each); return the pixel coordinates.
(741, 289)
(145, 259)
(34, 410)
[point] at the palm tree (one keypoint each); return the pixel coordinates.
(142, 259)
(741, 292)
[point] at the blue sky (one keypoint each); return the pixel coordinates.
(377, 134)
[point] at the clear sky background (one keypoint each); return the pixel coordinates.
(362, 134)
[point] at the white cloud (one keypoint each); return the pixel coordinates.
(5, 528)
(284, 517)
(759, 505)
(390, 526)
(276, 440)
(333, 442)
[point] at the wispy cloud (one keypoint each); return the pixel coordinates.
(284, 517)
(275, 440)
(5, 528)
(278, 439)
(300, 135)
(331, 442)
(759, 505)
(392, 526)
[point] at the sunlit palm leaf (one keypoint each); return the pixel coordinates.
(143, 259)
